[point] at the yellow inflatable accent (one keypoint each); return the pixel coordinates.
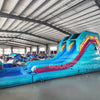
(96, 38)
(70, 46)
(81, 46)
(63, 47)
(90, 37)
(97, 42)
(83, 42)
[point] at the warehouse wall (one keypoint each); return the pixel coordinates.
(9, 49)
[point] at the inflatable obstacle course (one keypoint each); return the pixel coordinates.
(78, 54)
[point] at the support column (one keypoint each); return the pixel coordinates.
(3, 51)
(25, 50)
(30, 49)
(3, 54)
(47, 49)
(57, 46)
(11, 49)
(37, 49)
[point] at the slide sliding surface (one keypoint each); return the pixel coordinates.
(67, 57)
(68, 65)
(72, 58)
(62, 52)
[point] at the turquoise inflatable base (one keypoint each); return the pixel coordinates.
(13, 77)
(75, 70)
(24, 78)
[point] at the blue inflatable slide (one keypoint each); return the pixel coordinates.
(78, 54)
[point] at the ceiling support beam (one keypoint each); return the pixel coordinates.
(32, 20)
(18, 42)
(14, 45)
(23, 39)
(20, 32)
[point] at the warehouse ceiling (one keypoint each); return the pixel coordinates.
(40, 22)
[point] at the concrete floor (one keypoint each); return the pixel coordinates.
(80, 87)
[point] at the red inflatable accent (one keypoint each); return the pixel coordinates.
(33, 59)
(68, 65)
(0, 67)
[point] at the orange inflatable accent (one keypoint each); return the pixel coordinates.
(63, 47)
(33, 59)
(70, 46)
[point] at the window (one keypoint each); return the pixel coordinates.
(22, 51)
(34, 50)
(1, 51)
(42, 49)
(53, 49)
(7, 51)
(19, 50)
(27, 49)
